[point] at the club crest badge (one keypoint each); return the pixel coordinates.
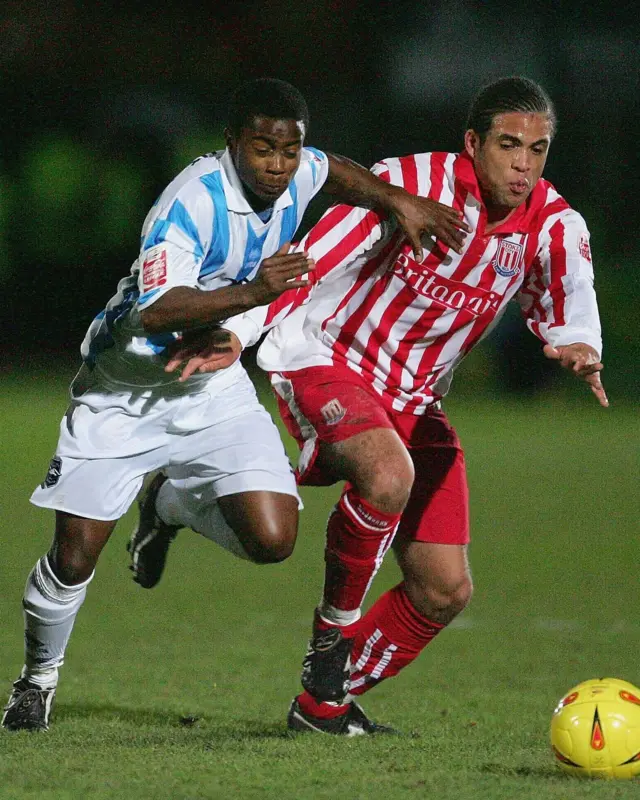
(333, 411)
(53, 473)
(506, 261)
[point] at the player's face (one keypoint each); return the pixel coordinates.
(510, 161)
(266, 156)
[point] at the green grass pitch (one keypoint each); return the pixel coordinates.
(181, 692)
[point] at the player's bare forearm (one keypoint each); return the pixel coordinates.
(349, 182)
(355, 185)
(184, 308)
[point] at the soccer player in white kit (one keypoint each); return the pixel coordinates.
(214, 244)
(361, 359)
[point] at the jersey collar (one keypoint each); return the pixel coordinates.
(234, 192)
(522, 218)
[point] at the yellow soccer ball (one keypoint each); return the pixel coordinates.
(595, 729)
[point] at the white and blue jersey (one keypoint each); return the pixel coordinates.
(201, 233)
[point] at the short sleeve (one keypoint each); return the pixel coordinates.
(315, 164)
(175, 241)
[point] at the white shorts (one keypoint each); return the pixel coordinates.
(209, 444)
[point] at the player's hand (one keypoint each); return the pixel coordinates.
(203, 351)
(583, 361)
(420, 215)
(279, 273)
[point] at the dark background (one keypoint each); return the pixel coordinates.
(102, 103)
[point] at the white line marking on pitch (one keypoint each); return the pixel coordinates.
(552, 625)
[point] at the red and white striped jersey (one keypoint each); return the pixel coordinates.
(404, 326)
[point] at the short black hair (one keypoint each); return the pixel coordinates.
(514, 93)
(267, 97)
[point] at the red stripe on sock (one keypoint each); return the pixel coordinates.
(366, 515)
(391, 635)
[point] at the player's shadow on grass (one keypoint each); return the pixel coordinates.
(204, 725)
(69, 712)
(547, 773)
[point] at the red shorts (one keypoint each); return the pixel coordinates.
(331, 404)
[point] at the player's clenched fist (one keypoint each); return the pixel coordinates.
(279, 273)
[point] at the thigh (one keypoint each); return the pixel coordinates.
(96, 489)
(438, 508)
(242, 453)
(372, 458)
(107, 442)
(103, 423)
(331, 412)
(238, 465)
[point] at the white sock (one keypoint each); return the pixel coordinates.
(336, 616)
(50, 610)
(210, 523)
(206, 518)
(43, 679)
(168, 505)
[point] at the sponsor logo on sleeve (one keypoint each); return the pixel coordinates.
(583, 247)
(507, 259)
(154, 268)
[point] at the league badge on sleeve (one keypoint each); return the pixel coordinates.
(507, 260)
(154, 268)
(583, 247)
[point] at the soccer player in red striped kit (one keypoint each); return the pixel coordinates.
(362, 358)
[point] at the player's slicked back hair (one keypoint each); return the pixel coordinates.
(267, 97)
(509, 94)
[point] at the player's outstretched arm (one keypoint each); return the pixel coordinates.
(353, 184)
(559, 300)
(583, 361)
(184, 308)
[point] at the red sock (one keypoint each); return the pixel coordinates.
(317, 708)
(358, 536)
(390, 636)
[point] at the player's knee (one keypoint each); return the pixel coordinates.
(444, 600)
(460, 595)
(272, 544)
(73, 567)
(452, 596)
(388, 486)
